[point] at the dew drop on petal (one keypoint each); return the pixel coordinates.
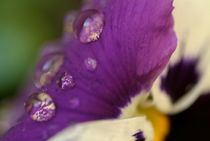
(49, 70)
(90, 64)
(53, 63)
(66, 81)
(89, 25)
(40, 107)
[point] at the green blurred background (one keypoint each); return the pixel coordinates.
(24, 27)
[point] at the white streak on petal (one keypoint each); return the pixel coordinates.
(107, 130)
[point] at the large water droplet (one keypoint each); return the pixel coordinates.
(49, 70)
(66, 81)
(40, 107)
(90, 64)
(53, 63)
(89, 25)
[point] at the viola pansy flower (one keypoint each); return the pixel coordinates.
(101, 72)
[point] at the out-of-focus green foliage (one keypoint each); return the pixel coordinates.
(24, 27)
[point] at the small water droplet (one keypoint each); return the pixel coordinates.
(89, 25)
(49, 70)
(66, 81)
(90, 64)
(40, 107)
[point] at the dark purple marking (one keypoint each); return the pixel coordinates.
(180, 78)
(139, 136)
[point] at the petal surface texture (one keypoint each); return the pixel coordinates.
(131, 42)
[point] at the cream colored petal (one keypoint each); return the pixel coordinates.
(164, 103)
(192, 23)
(107, 130)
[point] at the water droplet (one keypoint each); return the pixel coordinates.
(49, 70)
(40, 107)
(89, 25)
(90, 64)
(66, 81)
(53, 64)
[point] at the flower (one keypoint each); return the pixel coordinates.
(117, 50)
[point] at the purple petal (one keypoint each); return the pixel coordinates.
(135, 44)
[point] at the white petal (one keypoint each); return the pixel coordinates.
(107, 130)
(164, 103)
(192, 22)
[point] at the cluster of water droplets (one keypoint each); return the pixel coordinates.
(88, 27)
